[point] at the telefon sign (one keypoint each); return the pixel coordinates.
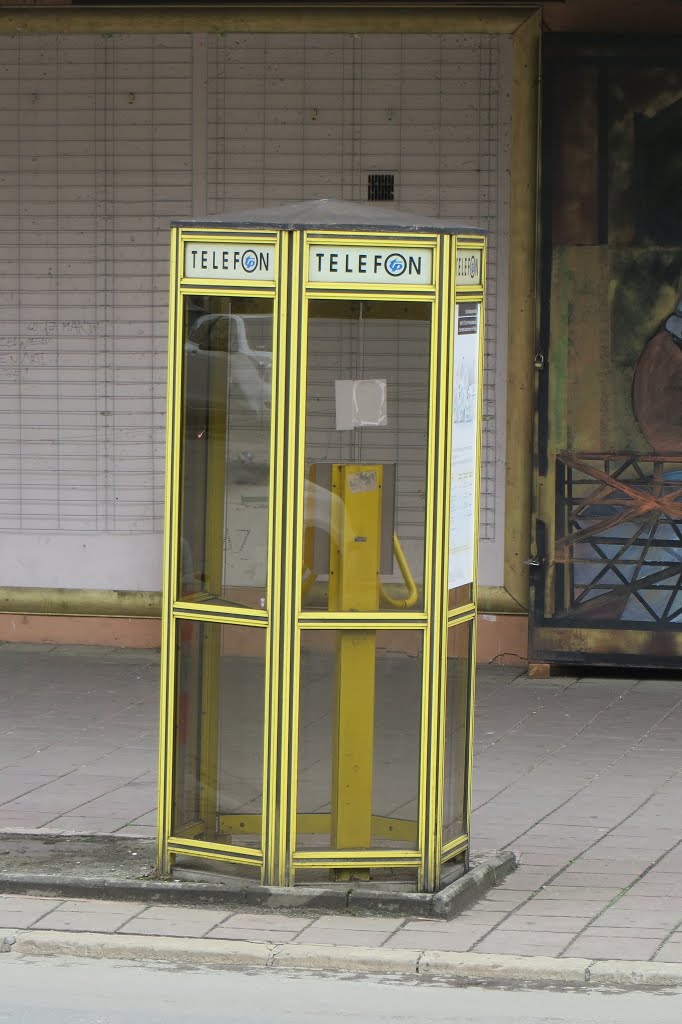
(468, 264)
(358, 264)
(235, 262)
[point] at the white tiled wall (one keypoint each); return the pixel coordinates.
(104, 139)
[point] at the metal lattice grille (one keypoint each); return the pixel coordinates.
(618, 558)
(381, 188)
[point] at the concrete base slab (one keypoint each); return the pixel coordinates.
(115, 868)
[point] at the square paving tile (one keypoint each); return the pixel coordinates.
(339, 937)
(508, 900)
(590, 894)
(615, 918)
(577, 879)
(635, 932)
(647, 904)
(269, 922)
(358, 924)
(532, 924)
(83, 906)
(136, 831)
(527, 881)
(25, 918)
(190, 927)
(24, 820)
(670, 953)
(21, 904)
(180, 914)
(540, 907)
(251, 934)
(524, 943)
(454, 942)
(609, 948)
(60, 920)
(470, 919)
(85, 824)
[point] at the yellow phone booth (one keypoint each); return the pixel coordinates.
(319, 612)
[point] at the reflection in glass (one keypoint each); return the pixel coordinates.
(220, 707)
(359, 739)
(367, 406)
(457, 692)
(227, 395)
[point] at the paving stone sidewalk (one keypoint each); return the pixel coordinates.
(481, 929)
(582, 778)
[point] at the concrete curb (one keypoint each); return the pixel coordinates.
(465, 891)
(454, 898)
(463, 968)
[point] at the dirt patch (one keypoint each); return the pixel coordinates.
(111, 857)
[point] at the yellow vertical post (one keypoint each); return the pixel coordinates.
(354, 567)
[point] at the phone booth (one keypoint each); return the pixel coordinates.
(319, 613)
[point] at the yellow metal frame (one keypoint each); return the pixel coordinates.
(467, 612)
(175, 609)
(278, 857)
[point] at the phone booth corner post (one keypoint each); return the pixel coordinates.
(319, 609)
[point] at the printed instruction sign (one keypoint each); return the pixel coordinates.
(463, 465)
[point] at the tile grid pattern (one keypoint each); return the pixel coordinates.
(481, 929)
(295, 117)
(105, 139)
(78, 739)
(96, 160)
(581, 777)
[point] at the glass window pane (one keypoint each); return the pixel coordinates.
(460, 596)
(227, 384)
(359, 739)
(220, 709)
(367, 408)
(456, 730)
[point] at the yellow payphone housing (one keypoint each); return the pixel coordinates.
(319, 606)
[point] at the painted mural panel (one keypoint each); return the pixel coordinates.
(609, 482)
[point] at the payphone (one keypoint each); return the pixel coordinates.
(320, 557)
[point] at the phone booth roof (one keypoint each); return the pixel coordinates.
(332, 215)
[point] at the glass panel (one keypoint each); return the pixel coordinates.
(367, 407)
(459, 596)
(227, 374)
(359, 739)
(456, 730)
(220, 712)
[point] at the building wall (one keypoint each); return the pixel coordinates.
(105, 139)
(612, 16)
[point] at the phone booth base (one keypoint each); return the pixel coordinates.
(319, 609)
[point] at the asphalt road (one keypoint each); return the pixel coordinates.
(61, 990)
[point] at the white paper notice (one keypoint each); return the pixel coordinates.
(360, 403)
(463, 466)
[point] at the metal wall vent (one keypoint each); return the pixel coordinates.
(380, 188)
